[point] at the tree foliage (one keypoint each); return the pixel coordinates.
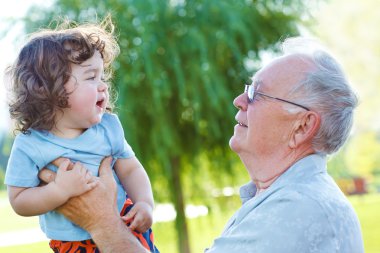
(363, 155)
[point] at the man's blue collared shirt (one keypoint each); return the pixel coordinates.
(303, 211)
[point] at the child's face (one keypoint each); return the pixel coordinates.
(88, 95)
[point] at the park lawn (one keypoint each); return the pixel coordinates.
(368, 209)
(9, 220)
(204, 229)
(40, 247)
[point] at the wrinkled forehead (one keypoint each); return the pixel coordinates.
(283, 73)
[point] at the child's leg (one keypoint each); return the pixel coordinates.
(146, 238)
(87, 246)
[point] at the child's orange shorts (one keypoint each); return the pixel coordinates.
(88, 246)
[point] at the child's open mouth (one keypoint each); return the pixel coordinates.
(100, 103)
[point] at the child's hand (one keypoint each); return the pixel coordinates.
(74, 179)
(140, 217)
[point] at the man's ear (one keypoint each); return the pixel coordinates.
(305, 129)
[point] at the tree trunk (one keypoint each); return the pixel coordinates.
(177, 196)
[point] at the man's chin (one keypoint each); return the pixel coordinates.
(234, 144)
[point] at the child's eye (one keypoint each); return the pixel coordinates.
(91, 78)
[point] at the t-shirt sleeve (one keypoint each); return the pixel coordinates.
(21, 170)
(115, 132)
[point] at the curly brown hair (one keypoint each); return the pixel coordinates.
(43, 66)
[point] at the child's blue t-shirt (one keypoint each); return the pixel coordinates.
(32, 152)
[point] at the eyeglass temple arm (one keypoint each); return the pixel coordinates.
(283, 100)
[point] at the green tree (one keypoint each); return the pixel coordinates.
(181, 64)
(363, 154)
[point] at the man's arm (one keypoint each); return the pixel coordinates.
(96, 212)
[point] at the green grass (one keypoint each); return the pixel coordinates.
(41, 247)
(9, 220)
(368, 209)
(203, 229)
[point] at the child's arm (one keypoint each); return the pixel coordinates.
(137, 185)
(38, 200)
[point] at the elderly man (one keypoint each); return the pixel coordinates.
(298, 110)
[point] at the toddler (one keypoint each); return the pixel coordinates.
(60, 101)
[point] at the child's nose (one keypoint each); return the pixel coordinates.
(102, 86)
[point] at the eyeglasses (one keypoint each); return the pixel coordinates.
(252, 92)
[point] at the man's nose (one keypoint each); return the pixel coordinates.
(240, 102)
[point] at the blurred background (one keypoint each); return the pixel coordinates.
(181, 64)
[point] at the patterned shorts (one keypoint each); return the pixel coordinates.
(88, 246)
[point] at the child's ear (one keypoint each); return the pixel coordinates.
(305, 129)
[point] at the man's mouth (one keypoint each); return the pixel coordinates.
(241, 124)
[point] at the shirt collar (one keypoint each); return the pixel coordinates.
(308, 165)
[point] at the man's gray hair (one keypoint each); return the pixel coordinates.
(325, 90)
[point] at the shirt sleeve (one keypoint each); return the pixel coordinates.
(281, 225)
(115, 132)
(21, 170)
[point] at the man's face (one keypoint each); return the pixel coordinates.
(265, 126)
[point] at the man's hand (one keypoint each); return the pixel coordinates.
(70, 180)
(95, 201)
(82, 208)
(140, 217)
(48, 176)
(96, 211)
